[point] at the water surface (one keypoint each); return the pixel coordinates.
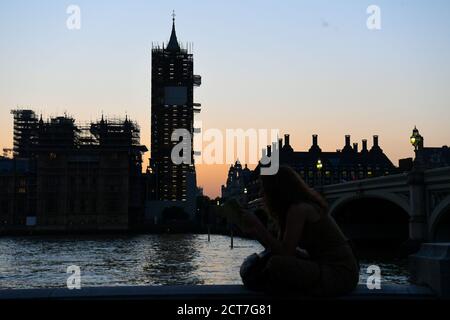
(41, 262)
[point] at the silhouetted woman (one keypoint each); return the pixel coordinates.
(329, 268)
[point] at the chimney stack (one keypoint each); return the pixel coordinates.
(347, 140)
(287, 141)
(355, 147)
(364, 145)
(375, 141)
(315, 140)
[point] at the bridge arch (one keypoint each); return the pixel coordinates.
(375, 219)
(398, 200)
(439, 226)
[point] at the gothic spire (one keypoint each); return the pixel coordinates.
(173, 42)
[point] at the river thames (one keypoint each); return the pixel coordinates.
(41, 262)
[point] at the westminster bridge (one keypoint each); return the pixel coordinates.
(409, 206)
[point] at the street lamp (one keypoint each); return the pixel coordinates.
(319, 167)
(416, 139)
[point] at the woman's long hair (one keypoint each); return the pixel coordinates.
(285, 189)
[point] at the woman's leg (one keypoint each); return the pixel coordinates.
(291, 274)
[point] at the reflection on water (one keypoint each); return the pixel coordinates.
(41, 262)
(393, 271)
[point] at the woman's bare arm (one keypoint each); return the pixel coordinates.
(295, 221)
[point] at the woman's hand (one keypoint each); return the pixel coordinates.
(251, 225)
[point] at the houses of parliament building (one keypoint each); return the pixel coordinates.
(315, 166)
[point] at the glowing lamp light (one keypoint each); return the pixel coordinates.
(416, 139)
(319, 165)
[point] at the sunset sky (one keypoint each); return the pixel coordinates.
(304, 67)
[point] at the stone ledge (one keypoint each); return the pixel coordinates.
(431, 267)
(213, 292)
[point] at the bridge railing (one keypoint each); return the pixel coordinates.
(437, 175)
(391, 181)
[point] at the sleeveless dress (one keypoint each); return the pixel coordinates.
(330, 270)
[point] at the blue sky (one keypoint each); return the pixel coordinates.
(302, 66)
